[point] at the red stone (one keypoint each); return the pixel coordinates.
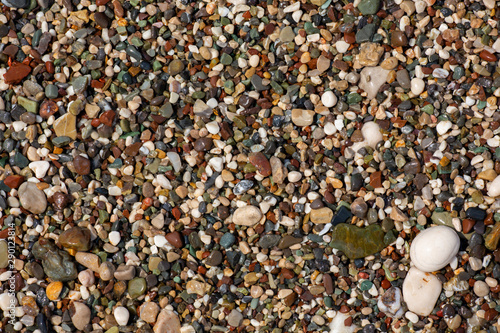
(49, 66)
(16, 73)
(487, 56)
(259, 160)
(174, 238)
(376, 179)
(386, 284)
(82, 165)
(467, 225)
(107, 117)
(48, 108)
(13, 181)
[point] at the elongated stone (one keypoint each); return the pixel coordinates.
(357, 242)
(491, 240)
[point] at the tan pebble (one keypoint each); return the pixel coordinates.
(389, 63)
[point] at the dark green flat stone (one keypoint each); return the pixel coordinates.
(358, 242)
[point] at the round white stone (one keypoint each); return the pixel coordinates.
(434, 248)
(494, 189)
(121, 315)
(329, 99)
(114, 237)
(417, 86)
(294, 176)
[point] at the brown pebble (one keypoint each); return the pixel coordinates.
(174, 238)
(82, 165)
(259, 160)
(398, 38)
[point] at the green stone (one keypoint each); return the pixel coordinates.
(136, 287)
(61, 141)
(198, 94)
(365, 285)
(51, 91)
(353, 98)
(20, 160)
(429, 108)
(28, 104)
(366, 33)
(458, 73)
(442, 218)
(357, 242)
(226, 59)
(310, 29)
(80, 84)
(369, 7)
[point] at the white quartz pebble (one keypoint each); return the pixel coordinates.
(121, 315)
(114, 237)
(40, 168)
(494, 189)
(443, 127)
(417, 86)
(329, 99)
(434, 248)
(421, 291)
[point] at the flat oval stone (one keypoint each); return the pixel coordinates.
(434, 248)
(321, 216)
(75, 238)
(136, 287)
(261, 163)
(358, 242)
(32, 198)
(247, 215)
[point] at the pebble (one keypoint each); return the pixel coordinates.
(421, 291)
(481, 289)
(494, 187)
(235, 318)
(302, 118)
(40, 168)
(80, 315)
(75, 238)
(329, 99)
(371, 79)
(148, 312)
(4, 259)
(390, 302)
(167, 322)
(32, 198)
(417, 86)
(121, 315)
(434, 248)
(247, 216)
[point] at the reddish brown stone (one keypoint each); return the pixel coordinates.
(490, 314)
(13, 181)
(259, 160)
(133, 149)
(174, 238)
(487, 56)
(16, 73)
(328, 284)
(467, 225)
(376, 179)
(82, 165)
(107, 117)
(287, 274)
(48, 108)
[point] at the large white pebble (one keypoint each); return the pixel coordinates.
(494, 189)
(121, 315)
(247, 215)
(421, 291)
(434, 248)
(329, 99)
(417, 86)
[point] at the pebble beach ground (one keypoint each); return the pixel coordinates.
(190, 166)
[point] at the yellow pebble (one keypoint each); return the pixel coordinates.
(54, 290)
